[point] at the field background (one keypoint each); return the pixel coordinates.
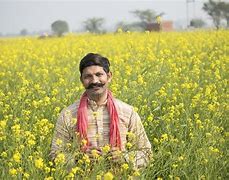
(177, 82)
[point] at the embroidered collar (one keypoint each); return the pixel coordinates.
(94, 105)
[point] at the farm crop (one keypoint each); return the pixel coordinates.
(177, 82)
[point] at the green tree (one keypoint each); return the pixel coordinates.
(224, 7)
(124, 26)
(146, 17)
(24, 32)
(197, 23)
(217, 11)
(94, 25)
(60, 27)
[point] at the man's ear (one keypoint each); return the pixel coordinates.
(81, 79)
(109, 76)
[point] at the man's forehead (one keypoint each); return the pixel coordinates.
(93, 69)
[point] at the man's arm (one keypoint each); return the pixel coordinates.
(142, 150)
(62, 137)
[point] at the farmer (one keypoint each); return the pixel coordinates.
(100, 119)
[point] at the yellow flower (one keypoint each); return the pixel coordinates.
(130, 136)
(106, 149)
(26, 175)
(86, 158)
(70, 176)
(2, 125)
(50, 163)
(94, 153)
(135, 109)
(136, 173)
(60, 158)
(125, 166)
(98, 177)
(180, 158)
(31, 142)
(128, 145)
(140, 79)
(47, 169)
(59, 142)
(3, 154)
(158, 19)
(39, 163)
(84, 142)
(16, 129)
(155, 140)
(108, 176)
(164, 137)
(17, 157)
(13, 172)
(75, 170)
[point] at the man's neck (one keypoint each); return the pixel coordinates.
(99, 99)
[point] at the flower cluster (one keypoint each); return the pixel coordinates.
(177, 82)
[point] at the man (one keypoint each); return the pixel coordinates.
(101, 118)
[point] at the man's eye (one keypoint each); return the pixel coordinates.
(87, 77)
(99, 74)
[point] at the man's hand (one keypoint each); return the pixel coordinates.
(116, 155)
(93, 152)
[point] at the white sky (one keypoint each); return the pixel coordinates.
(35, 15)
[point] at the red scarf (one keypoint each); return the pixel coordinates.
(82, 120)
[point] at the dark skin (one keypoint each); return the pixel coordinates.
(116, 157)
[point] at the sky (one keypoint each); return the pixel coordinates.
(38, 15)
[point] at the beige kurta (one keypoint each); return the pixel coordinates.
(98, 129)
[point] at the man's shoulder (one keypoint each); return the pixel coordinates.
(123, 107)
(72, 108)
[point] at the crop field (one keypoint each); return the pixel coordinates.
(177, 82)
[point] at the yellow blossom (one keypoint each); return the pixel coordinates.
(3, 154)
(39, 163)
(17, 157)
(125, 166)
(60, 158)
(98, 177)
(94, 153)
(108, 176)
(136, 173)
(13, 172)
(59, 142)
(164, 137)
(106, 149)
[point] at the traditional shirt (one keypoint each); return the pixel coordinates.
(99, 127)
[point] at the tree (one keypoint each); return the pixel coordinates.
(24, 32)
(217, 11)
(94, 24)
(122, 25)
(224, 7)
(146, 17)
(59, 27)
(197, 23)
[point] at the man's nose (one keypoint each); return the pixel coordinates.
(95, 79)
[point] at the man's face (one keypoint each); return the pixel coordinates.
(95, 80)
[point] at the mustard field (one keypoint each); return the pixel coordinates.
(177, 82)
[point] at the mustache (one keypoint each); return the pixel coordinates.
(95, 85)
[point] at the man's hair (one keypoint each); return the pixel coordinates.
(92, 59)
